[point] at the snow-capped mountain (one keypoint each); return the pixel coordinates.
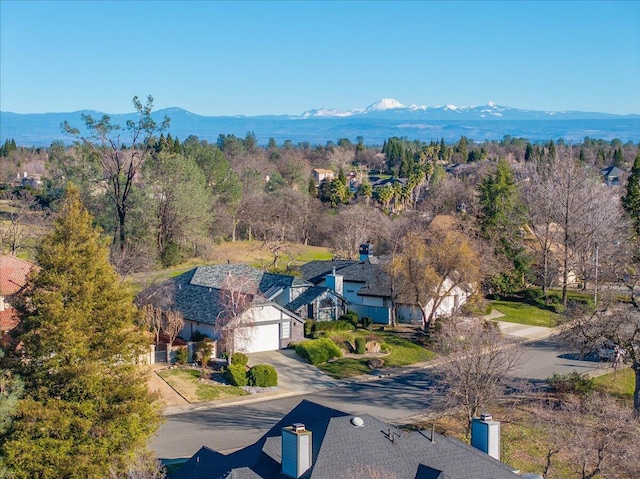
(375, 123)
(393, 109)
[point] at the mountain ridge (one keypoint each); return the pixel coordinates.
(375, 123)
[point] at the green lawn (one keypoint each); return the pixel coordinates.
(188, 385)
(619, 383)
(403, 353)
(523, 313)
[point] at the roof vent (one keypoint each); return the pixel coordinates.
(357, 421)
(298, 426)
(486, 417)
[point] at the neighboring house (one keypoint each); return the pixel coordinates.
(268, 322)
(612, 175)
(13, 277)
(316, 442)
(365, 284)
(367, 287)
(320, 174)
(377, 182)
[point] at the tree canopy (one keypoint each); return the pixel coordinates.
(87, 410)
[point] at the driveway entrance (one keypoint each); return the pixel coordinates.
(294, 374)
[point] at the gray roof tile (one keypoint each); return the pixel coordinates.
(341, 449)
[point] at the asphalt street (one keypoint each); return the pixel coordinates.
(393, 399)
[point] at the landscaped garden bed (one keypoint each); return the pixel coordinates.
(187, 382)
(392, 350)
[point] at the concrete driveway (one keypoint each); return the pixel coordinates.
(293, 373)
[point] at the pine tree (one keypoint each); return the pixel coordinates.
(87, 409)
(631, 200)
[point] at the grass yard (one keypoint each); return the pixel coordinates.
(403, 353)
(619, 383)
(523, 313)
(186, 382)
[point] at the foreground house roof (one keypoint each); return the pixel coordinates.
(344, 446)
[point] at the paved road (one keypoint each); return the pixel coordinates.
(392, 399)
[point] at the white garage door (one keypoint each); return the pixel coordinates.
(258, 338)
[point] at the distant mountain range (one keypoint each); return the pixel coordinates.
(375, 123)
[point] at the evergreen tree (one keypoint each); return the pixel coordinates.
(631, 199)
(311, 188)
(501, 217)
(618, 158)
(528, 152)
(87, 409)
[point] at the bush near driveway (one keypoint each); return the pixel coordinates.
(236, 374)
(262, 375)
(318, 351)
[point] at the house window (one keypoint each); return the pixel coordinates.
(285, 330)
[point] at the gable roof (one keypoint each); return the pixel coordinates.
(342, 449)
(196, 293)
(13, 274)
(611, 172)
(376, 281)
(309, 296)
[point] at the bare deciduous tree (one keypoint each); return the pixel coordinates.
(120, 165)
(615, 323)
(430, 267)
(232, 324)
(152, 319)
(478, 364)
(597, 435)
(171, 326)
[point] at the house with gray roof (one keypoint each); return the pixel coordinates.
(274, 305)
(366, 285)
(316, 442)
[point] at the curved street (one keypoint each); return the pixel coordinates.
(395, 399)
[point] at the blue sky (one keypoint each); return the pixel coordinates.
(252, 58)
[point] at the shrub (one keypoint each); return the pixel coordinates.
(236, 375)
(384, 347)
(366, 322)
(339, 325)
(350, 317)
(361, 344)
(570, 383)
(318, 351)
(182, 356)
(240, 359)
(262, 375)
(309, 325)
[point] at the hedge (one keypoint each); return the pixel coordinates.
(361, 345)
(262, 375)
(318, 351)
(236, 375)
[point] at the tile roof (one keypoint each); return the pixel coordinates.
(13, 274)
(342, 449)
(8, 319)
